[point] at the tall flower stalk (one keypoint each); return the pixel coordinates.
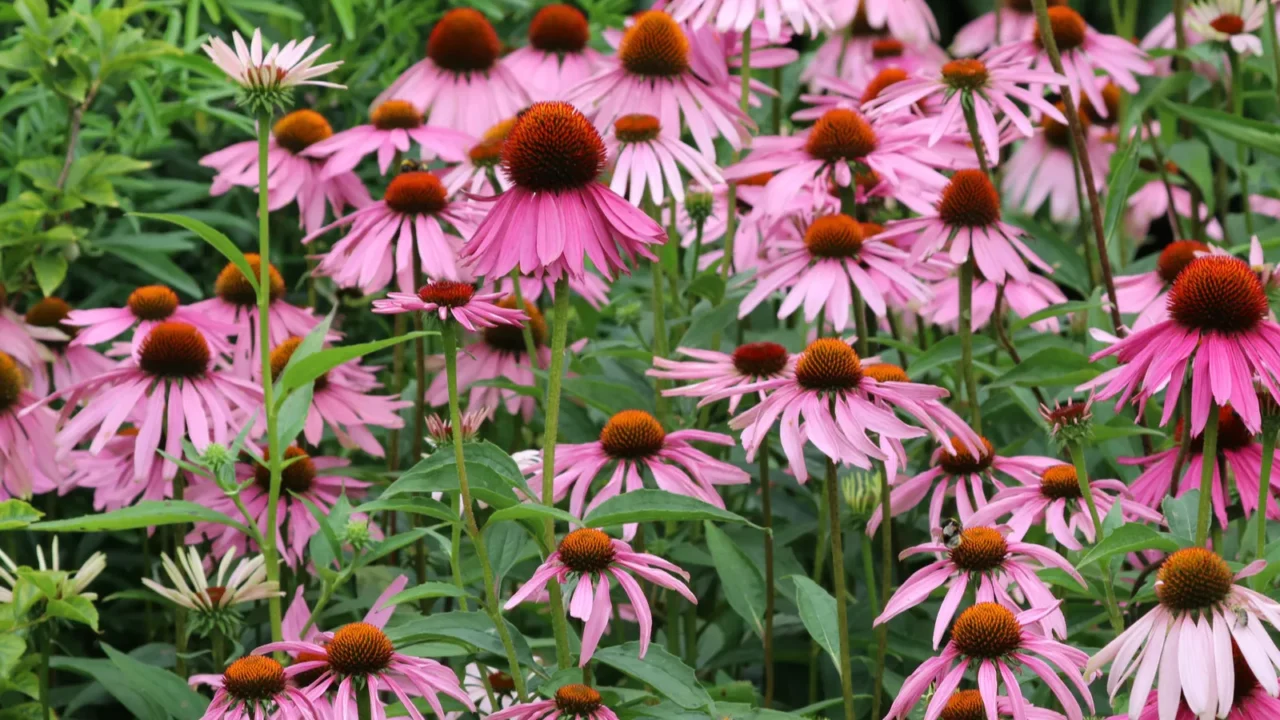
(555, 377)
(1208, 464)
(838, 585)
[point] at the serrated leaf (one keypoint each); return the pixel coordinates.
(413, 506)
(1049, 367)
(947, 352)
(491, 473)
(472, 629)
(532, 511)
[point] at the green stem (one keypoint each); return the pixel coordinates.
(966, 342)
(46, 651)
(1082, 476)
(530, 347)
(1208, 463)
(179, 613)
(1242, 150)
(660, 348)
(419, 428)
(1274, 36)
(971, 120)
(364, 709)
(326, 592)
(699, 225)
(393, 435)
(559, 336)
(744, 101)
(886, 587)
(766, 507)
(1264, 486)
(275, 457)
(468, 510)
(219, 650)
(838, 582)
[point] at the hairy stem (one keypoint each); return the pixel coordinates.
(838, 583)
(559, 336)
(1264, 486)
(1082, 476)
(275, 458)
(886, 587)
(966, 342)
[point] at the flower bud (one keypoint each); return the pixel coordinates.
(862, 493)
(356, 533)
(699, 205)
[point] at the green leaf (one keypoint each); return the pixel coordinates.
(1257, 134)
(428, 590)
(708, 321)
(125, 688)
(947, 352)
(532, 511)
(1126, 539)
(146, 514)
(1049, 367)
(12, 648)
(656, 506)
(1124, 167)
(1071, 306)
(740, 578)
(159, 266)
(659, 669)
(219, 241)
(16, 514)
(178, 699)
(818, 613)
(293, 413)
(310, 368)
(413, 506)
(76, 609)
(389, 545)
(471, 629)
(1153, 93)
(346, 17)
(491, 473)
(1181, 514)
(50, 271)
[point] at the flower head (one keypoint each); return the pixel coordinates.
(256, 687)
(27, 464)
(1231, 22)
(267, 79)
(572, 702)
(647, 156)
(452, 300)
(213, 600)
(717, 372)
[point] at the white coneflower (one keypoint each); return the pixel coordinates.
(440, 430)
(213, 599)
(268, 79)
(70, 586)
(1232, 22)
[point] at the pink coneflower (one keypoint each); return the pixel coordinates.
(290, 174)
(909, 20)
(448, 299)
(647, 156)
(717, 373)
(1248, 700)
(174, 361)
(20, 341)
(969, 705)
(462, 83)
(301, 478)
(652, 71)
(556, 216)
(840, 404)
(257, 688)
(737, 15)
(440, 430)
(859, 52)
(968, 221)
(631, 442)
(1084, 52)
(716, 58)
(480, 172)
(592, 558)
(1231, 22)
(146, 306)
(110, 474)
(822, 263)
(964, 473)
(1218, 327)
(922, 402)
(1186, 641)
(1053, 499)
(72, 364)
(280, 68)
(571, 702)
(590, 287)
(235, 304)
(984, 556)
(992, 88)
(343, 400)
(1151, 202)
(558, 55)
(393, 125)
(1000, 644)
(403, 231)
(1017, 22)
(1237, 449)
(838, 146)
(1147, 294)
(1041, 169)
(1024, 297)
(27, 449)
(360, 657)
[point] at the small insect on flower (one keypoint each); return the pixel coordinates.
(951, 533)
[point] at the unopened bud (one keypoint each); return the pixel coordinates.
(699, 205)
(357, 533)
(862, 493)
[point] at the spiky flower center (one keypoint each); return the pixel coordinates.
(1177, 256)
(1193, 579)
(969, 200)
(359, 649)
(417, 192)
(501, 682)
(886, 372)
(1060, 482)
(298, 475)
(486, 153)
(760, 359)
(306, 678)
(174, 350)
(871, 229)
(966, 74)
(577, 701)
(882, 80)
(1059, 134)
(632, 434)
(553, 147)
(636, 128)
(301, 129)
(841, 135)
(464, 41)
(233, 287)
(981, 549)
(510, 338)
(447, 293)
(963, 461)
(964, 705)
(654, 46)
(1228, 24)
(48, 312)
(986, 631)
(887, 48)
(559, 29)
(1218, 292)
(152, 302)
(829, 364)
(1111, 96)
(834, 236)
(254, 679)
(11, 382)
(396, 115)
(587, 550)
(1233, 434)
(1068, 28)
